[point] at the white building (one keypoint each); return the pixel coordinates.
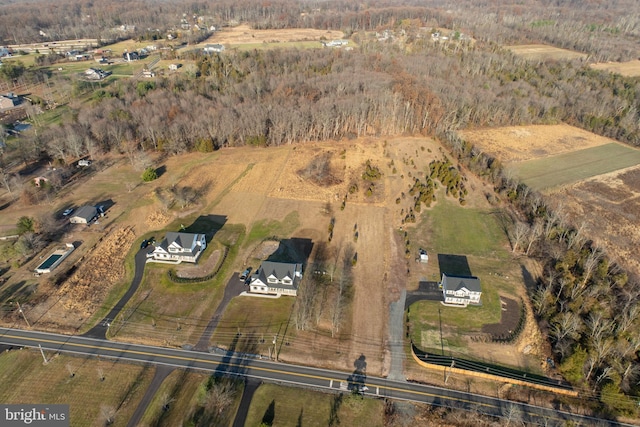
(276, 278)
(179, 247)
(461, 290)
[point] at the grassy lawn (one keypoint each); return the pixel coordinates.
(546, 173)
(287, 406)
(462, 241)
(25, 379)
(312, 44)
(262, 229)
(257, 319)
(180, 396)
(172, 313)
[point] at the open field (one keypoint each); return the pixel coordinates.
(286, 406)
(244, 35)
(567, 168)
(628, 69)
(609, 206)
(511, 144)
(74, 381)
(541, 52)
(592, 179)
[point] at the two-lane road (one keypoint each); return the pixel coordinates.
(269, 371)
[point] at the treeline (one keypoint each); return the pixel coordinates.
(273, 97)
(585, 302)
(606, 30)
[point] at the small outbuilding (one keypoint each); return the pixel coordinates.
(84, 215)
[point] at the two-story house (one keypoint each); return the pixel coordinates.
(276, 278)
(179, 247)
(461, 290)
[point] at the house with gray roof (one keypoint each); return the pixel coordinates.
(84, 215)
(461, 290)
(179, 247)
(276, 278)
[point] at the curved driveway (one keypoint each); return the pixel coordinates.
(100, 330)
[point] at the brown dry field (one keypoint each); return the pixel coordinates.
(609, 206)
(256, 184)
(628, 69)
(245, 34)
(518, 143)
(543, 52)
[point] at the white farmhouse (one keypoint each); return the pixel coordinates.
(179, 247)
(461, 290)
(276, 278)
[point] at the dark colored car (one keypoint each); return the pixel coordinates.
(144, 244)
(245, 274)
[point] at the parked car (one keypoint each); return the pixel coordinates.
(67, 212)
(245, 274)
(144, 244)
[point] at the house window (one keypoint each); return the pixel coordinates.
(286, 281)
(272, 280)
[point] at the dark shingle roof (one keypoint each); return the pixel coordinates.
(454, 283)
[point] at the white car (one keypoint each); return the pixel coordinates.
(67, 212)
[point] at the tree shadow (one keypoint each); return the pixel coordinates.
(454, 265)
(334, 417)
(299, 423)
(269, 414)
(356, 382)
(161, 170)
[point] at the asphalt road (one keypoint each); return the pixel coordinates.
(263, 370)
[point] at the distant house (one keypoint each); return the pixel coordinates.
(84, 215)
(96, 74)
(148, 74)
(9, 100)
(130, 56)
(336, 43)
(213, 48)
(276, 278)
(179, 247)
(4, 51)
(461, 290)
(174, 67)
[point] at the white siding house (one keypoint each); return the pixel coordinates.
(276, 278)
(179, 247)
(461, 290)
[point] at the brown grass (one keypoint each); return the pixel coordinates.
(628, 69)
(520, 143)
(244, 34)
(26, 379)
(544, 52)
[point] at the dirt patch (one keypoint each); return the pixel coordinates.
(519, 143)
(628, 69)
(544, 52)
(508, 320)
(242, 34)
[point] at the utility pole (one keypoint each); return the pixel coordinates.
(23, 315)
(43, 356)
(275, 350)
(441, 342)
